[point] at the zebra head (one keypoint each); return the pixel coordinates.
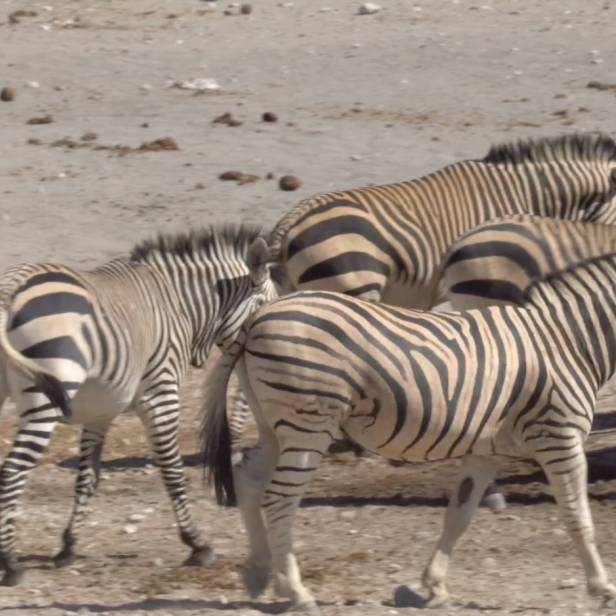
(255, 289)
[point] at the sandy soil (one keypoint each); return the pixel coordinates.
(376, 98)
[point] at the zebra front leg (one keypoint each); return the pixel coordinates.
(300, 455)
(33, 434)
(475, 474)
(91, 447)
(565, 466)
(159, 411)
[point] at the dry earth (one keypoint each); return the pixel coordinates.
(360, 99)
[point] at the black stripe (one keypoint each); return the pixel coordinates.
(343, 264)
(60, 347)
(49, 304)
(499, 290)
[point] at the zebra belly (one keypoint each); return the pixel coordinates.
(422, 436)
(98, 402)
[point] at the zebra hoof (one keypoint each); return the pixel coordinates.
(495, 501)
(201, 557)
(14, 577)
(256, 579)
(65, 558)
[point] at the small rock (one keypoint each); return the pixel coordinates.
(130, 529)
(368, 9)
(559, 532)
(289, 182)
(89, 136)
(7, 95)
(33, 84)
(246, 9)
(268, 116)
(223, 600)
(46, 119)
(352, 531)
(568, 583)
(355, 157)
(158, 562)
(230, 175)
(270, 176)
(136, 517)
(510, 518)
(347, 515)
(148, 510)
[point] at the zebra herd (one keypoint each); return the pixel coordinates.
(327, 322)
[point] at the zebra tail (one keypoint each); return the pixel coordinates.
(45, 381)
(215, 432)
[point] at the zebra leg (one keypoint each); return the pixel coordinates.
(299, 458)
(251, 475)
(238, 412)
(493, 498)
(475, 474)
(91, 447)
(566, 470)
(36, 425)
(158, 409)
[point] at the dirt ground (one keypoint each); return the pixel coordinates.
(360, 99)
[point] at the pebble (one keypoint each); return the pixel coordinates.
(136, 517)
(148, 510)
(289, 182)
(268, 116)
(368, 9)
(246, 9)
(130, 529)
(568, 583)
(559, 532)
(355, 157)
(352, 531)
(33, 84)
(510, 517)
(7, 94)
(158, 562)
(347, 515)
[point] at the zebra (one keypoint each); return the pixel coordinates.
(485, 385)
(492, 264)
(385, 243)
(84, 346)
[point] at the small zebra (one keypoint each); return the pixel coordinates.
(493, 263)
(385, 243)
(484, 385)
(84, 346)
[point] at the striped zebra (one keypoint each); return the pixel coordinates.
(493, 263)
(484, 385)
(385, 243)
(84, 346)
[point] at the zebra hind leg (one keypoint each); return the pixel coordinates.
(91, 447)
(300, 455)
(565, 466)
(475, 474)
(159, 412)
(251, 475)
(36, 425)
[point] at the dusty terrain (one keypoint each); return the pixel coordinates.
(360, 99)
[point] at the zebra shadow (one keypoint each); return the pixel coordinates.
(153, 605)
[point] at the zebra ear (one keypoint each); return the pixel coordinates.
(257, 260)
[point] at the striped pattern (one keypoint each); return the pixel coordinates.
(482, 385)
(492, 264)
(83, 346)
(385, 243)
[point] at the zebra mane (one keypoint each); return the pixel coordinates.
(554, 277)
(576, 146)
(200, 243)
